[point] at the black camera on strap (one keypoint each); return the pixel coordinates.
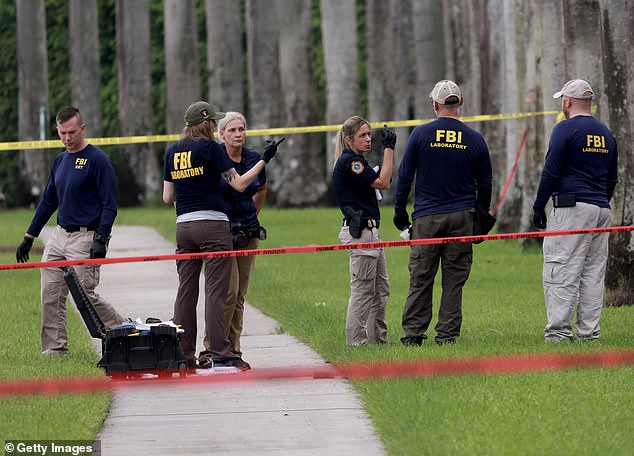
(241, 236)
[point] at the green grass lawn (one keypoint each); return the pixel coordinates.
(583, 411)
(576, 411)
(71, 417)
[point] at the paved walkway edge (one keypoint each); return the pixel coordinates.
(282, 417)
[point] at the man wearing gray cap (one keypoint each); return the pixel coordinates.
(580, 173)
(452, 167)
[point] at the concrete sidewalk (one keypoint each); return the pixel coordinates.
(293, 417)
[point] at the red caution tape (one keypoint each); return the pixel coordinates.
(54, 386)
(311, 248)
(484, 365)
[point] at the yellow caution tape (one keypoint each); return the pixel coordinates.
(115, 141)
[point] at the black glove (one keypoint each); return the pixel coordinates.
(388, 137)
(401, 219)
(269, 150)
(22, 253)
(539, 218)
(483, 221)
(99, 246)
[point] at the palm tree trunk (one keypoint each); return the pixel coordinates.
(33, 113)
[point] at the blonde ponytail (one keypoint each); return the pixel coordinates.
(339, 145)
(349, 128)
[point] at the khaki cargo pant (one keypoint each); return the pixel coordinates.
(369, 290)
(54, 291)
(234, 311)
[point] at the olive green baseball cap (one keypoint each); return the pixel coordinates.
(201, 111)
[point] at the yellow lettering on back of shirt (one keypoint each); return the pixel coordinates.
(451, 136)
(597, 141)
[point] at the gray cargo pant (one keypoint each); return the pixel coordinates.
(574, 272)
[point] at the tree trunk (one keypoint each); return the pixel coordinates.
(583, 43)
(545, 74)
(430, 65)
(136, 164)
(297, 174)
(429, 54)
(341, 56)
(34, 165)
(462, 48)
(85, 66)
(490, 16)
(182, 68)
(617, 28)
(512, 66)
(265, 105)
(225, 68)
(401, 70)
(379, 39)
(385, 77)
(551, 74)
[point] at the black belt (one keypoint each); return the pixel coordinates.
(75, 228)
(366, 222)
(253, 233)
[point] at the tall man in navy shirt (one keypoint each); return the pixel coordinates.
(82, 188)
(453, 173)
(580, 173)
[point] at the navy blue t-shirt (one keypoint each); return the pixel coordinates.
(240, 207)
(581, 160)
(195, 167)
(352, 180)
(82, 187)
(452, 167)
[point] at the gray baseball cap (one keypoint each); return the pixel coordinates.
(576, 88)
(200, 111)
(446, 92)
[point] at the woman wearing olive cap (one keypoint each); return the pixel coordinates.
(243, 209)
(193, 169)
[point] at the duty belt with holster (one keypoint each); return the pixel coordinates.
(366, 222)
(356, 223)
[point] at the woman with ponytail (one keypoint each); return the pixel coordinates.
(355, 183)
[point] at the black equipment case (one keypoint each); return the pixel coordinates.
(126, 349)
